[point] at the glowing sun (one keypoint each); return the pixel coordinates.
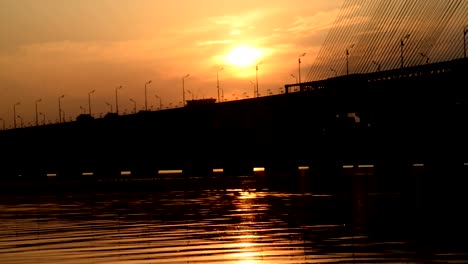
(243, 56)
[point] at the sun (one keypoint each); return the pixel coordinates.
(243, 56)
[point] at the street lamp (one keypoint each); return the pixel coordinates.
(60, 108)
(14, 114)
(402, 44)
(299, 65)
(134, 105)
(109, 106)
(37, 101)
(160, 101)
(146, 98)
(256, 77)
(347, 58)
(465, 31)
(117, 99)
(89, 102)
(254, 93)
(183, 88)
(217, 81)
(63, 116)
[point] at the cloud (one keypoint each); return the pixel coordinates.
(214, 42)
(309, 24)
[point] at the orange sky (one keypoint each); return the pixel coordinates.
(50, 48)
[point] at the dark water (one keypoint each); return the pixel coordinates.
(238, 220)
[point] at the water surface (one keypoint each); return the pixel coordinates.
(240, 220)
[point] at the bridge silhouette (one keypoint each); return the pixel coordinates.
(402, 113)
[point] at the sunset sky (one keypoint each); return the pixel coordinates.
(50, 48)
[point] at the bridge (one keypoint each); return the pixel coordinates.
(402, 114)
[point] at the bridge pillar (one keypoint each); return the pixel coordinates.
(326, 176)
(197, 169)
(393, 175)
(282, 173)
(238, 169)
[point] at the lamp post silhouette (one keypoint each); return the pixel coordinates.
(117, 99)
(37, 117)
(109, 106)
(60, 108)
(3, 123)
(402, 45)
(89, 102)
(146, 98)
(134, 105)
(256, 78)
(14, 114)
(299, 65)
(378, 65)
(217, 81)
(183, 88)
(347, 58)
(465, 31)
(160, 101)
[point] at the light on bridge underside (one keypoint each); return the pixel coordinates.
(169, 171)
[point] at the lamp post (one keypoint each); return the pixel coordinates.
(299, 65)
(60, 108)
(117, 99)
(160, 103)
(146, 98)
(21, 120)
(89, 102)
(256, 78)
(109, 106)
(37, 101)
(134, 105)
(217, 81)
(183, 88)
(347, 58)
(402, 44)
(14, 114)
(465, 31)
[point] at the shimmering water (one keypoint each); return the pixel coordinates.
(240, 220)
